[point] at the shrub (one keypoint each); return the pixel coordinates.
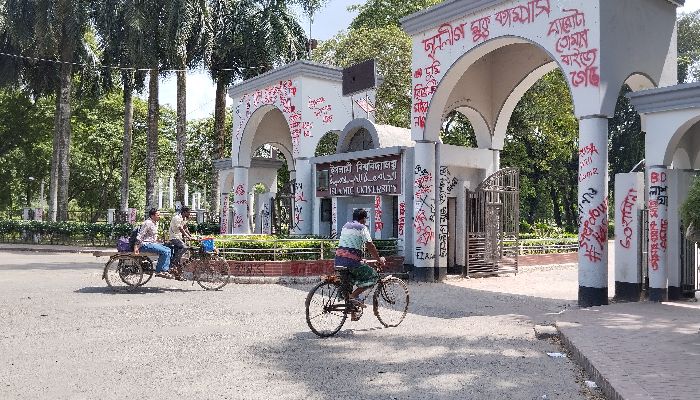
(690, 209)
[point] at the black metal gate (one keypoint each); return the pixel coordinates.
(282, 209)
(690, 270)
(493, 224)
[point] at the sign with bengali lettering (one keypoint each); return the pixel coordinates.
(363, 177)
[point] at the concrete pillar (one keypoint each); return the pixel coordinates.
(401, 228)
(378, 214)
(424, 218)
(110, 216)
(460, 226)
(187, 195)
(240, 224)
(25, 213)
(38, 214)
(657, 180)
(200, 216)
(629, 200)
(445, 186)
(679, 182)
(224, 221)
(302, 217)
(593, 212)
(335, 229)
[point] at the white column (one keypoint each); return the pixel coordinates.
(424, 240)
(131, 216)
(335, 232)
(461, 225)
(187, 195)
(401, 228)
(658, 232)
(110, 216)
(194, 201)
(239, 223)
(302, 214)
(224, 221)
(378, 224)
(593, 212)
(170, 192)
(160, 193)
(25, 213)
(629, 199)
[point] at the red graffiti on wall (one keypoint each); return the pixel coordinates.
(594, 232)
(523, 14)
(424, 232)
(585, 156)
(378, 224)
(402, 217)
(572, 46)
(237, 221)
(626, 210)
(280, 94)
(321, 110)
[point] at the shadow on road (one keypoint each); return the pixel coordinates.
(139, 290)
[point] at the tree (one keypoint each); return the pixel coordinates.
(381, 13)
(186, 44)
(120, 28)
(249, 38)
(56, 31)
(689, 47)
(391, 47)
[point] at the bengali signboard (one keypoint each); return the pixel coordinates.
(362, 177)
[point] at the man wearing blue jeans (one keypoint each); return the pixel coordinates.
(147, 240)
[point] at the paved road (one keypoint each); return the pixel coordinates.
(65, 336)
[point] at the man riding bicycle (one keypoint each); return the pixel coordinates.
(353, 238)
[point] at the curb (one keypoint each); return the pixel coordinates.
(54, 249)
(584, 362)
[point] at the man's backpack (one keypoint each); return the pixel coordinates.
(132, 238)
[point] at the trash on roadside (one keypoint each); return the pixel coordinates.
(591, 384)
(557, 355)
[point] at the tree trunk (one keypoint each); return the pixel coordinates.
(181, 136)
(556, 208)
(152, 140)
(126, 150)
(220, 134)
(64, 133)
(53, 178)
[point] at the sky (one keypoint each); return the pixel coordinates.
(330, 20)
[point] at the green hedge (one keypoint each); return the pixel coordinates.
(80, 233)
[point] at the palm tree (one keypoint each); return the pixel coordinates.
(120, 27)
(249, 37)
(187, 41)
(55, 31)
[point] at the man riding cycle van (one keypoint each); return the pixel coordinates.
(178, 232)
(353, 238)
(147, 240)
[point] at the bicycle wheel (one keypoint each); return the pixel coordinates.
(325, 309)
(123, 272)
(213, 273)
(390, 301)
(147, 268)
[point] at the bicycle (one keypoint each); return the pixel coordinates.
(127, 271)
(328, 303)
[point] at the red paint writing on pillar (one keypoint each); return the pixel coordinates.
(626, 216)
(594, 232)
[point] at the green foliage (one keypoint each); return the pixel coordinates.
(689, 47)
(66, 233)
(690, 209)
(381, 13)
(391, 47)
(327, 145)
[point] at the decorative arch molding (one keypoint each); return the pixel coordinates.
(482, 130)
(506, 112)
(640, 81)
(351, 129)
(448, 39)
